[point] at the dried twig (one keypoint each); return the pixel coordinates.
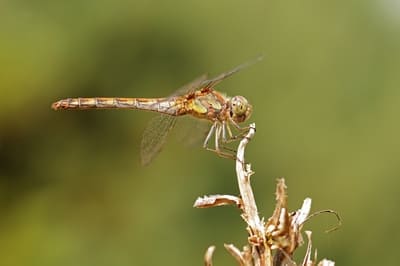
(261, 254)
(208, 256)
(272, 242)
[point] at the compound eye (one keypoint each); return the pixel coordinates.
(239, 105)
(240, 109)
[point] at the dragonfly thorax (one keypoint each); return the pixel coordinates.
(240, 109)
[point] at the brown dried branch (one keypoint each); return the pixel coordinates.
(208, 256)
(261, 254)
(236, 253)
(272, 242)
(217, 200)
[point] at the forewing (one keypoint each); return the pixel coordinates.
(191, 86)
(155, 136)
(158, 128)
(214, 81)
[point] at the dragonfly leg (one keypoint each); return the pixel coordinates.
(230, 138)
(220, 129)
(212, 129)
(229, 131)
(220, 138)
(242, 131)
(224, 131)
(227, 128)
(223, 154)
(222, 150)
(237, 126)
(229, 149)
(231, 154)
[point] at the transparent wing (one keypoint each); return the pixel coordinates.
(191, 132)
(158, 128)
(191, 86)
(214, 81)
(202, 81)
(155, 136)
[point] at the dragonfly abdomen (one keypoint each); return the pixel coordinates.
(161, 105)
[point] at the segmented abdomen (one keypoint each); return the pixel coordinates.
(171, 106)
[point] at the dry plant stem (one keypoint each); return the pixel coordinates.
(236, 253)
(243, 175)
(260, 253)
(279, 236)
(217, 200)
(208, 256)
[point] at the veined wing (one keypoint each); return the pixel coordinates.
(155, 136)
(214, 81)
(191, 86)
(202, 81)
(158, 128)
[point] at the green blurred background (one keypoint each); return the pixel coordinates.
(326, 105)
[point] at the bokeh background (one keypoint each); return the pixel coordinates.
(326, 105)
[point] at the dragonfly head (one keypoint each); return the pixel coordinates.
(240, 109)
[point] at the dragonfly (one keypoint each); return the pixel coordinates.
(198, 99)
